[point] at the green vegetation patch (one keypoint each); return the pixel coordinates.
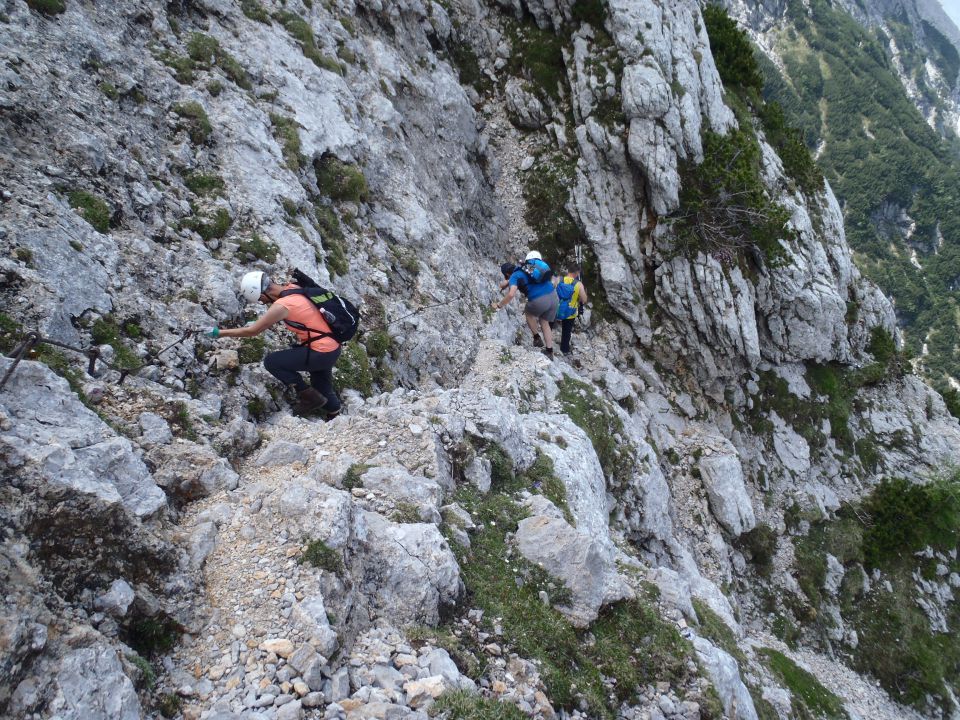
(205, 52)
(92, 208)
(842, 88)
(301, 31)
(106, 331)
(210, 228)
(906, 517)
(537, 57)
(739, 68)
(630, 643)
(48, 7)
(148, 677)
(195, 121)
(807, 692)
(712, 627)
(252, 350)
(546, 191)
(255, 11)
(328, 224)
(204, 184)
(150, 636)
(353, 478)
(353, 369)
(338, 180)
(887, 533)
(462, 705)
(259, 248)
(761, 543)
(286, 132)
(322, 556)
(725, 210)
(602, 425)
(732, 50)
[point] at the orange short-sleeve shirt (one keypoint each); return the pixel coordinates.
(301, 310)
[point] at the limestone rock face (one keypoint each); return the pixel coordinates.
(413, 570)
(50, 432)
(90, 684)
(729, 501)
(587, 568)
(525, 110)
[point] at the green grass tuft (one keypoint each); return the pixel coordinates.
(196, 122)
(338, 180)
(333, 241)
(92, 209)
(106, 331)
(210, 228)
(322, 556)
(353, 478)
(461, 705)
(48, 7)
(602, 425)
(252, 350)
(814, 699)
(629, 641)
(286, 133)
(255, 11)
(353, 370)
(259, 248)
(203, 184)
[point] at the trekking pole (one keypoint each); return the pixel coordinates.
(18, 354)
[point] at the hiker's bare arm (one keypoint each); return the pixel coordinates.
(504, 283)
(506, 298)
(275, 314)
(584, 298)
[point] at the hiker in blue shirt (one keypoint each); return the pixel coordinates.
(533, 279)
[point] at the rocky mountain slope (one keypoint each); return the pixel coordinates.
(874, 87)
(697, 515)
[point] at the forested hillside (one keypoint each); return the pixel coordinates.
(895, 175)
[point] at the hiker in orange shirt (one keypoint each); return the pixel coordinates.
(316, 354)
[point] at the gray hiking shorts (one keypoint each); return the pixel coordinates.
(544, 307)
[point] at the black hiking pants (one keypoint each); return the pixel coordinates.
(566, 327)
(286, 366)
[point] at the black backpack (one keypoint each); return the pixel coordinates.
(341, 315)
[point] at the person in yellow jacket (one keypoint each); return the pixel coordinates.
(572, 295)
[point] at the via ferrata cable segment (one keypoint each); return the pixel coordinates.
(93, 355)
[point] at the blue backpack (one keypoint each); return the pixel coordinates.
(537, 270)
(565, 291)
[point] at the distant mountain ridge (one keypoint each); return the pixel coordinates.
(874, 87)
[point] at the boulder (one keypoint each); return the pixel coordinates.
(52, 433)
(409, 571)
(282, 452)
(89, 684)
(586, 567)
(730, 503)
(117, 599)
(723, 672)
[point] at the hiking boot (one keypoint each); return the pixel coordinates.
(537, 341)
(548, 352)
(331, 415)
(309, 400)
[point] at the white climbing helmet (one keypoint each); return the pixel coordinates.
(253, 285)
(533, 255)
